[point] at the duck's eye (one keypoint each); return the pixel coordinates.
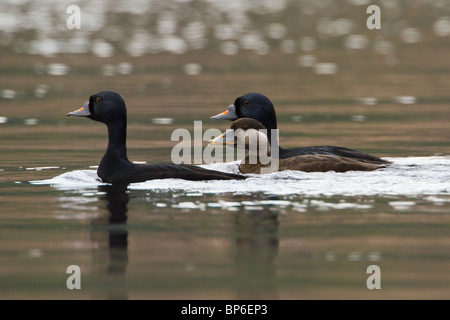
(98, 99)
(246, 103)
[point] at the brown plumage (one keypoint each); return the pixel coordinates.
(311, 163)
(261, 162)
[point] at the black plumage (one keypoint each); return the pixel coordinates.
(259, 107)
(109, 107)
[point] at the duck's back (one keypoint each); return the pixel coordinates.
(324, 163)
(331, 150)
(310, 163)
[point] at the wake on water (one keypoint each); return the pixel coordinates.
(411, 176)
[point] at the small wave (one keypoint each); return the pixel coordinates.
(406, 176)
(77, 179)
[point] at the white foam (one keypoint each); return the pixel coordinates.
(162, 120)
(41, 168)
(73, 180)
(189, 205)
(402, 205)
(410, 176)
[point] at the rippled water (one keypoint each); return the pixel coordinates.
(413, 176)
(286, 235)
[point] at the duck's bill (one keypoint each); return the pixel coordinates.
(227, 137)
(82, 112)
(229, 114)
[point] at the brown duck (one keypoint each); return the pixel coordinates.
(251, 135)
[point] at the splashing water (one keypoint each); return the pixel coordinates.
(410, 176)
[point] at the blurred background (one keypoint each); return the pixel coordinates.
(332, 80)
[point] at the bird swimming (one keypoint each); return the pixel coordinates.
(251, 134)
(115, 168)
(259, 107)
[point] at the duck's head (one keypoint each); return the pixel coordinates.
(251, 105)
(244, 133)
(106, 106)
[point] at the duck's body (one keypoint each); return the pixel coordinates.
(109, 107)
(260, 160)
(259, 107)
(285, 153)
(310, 163)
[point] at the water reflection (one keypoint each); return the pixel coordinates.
(110, 233)
(254, 250)
(256, 244)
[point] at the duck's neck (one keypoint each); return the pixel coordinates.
(258, 155)
(263, 159)
(270, 122)
(117, 140)
(115, 158)
(272, 135)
